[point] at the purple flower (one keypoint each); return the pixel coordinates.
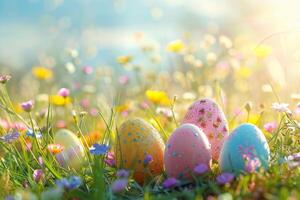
(122, 173)
(293, 160)
(64, 92)
(98, 149)
(170, 182)
(119, 185)
(72, 183)
(200, 169)
(252, 164)
(37, 175)
(225, 178)
(4, 78)
(10, 137)
(148, 159)
(110, 159)
(30, 133)
(9, 198)
(41, 161)
(27, 106)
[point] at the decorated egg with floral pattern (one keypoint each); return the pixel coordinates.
(186, 148)
(246, 149)
(72, 154)
(137, 140)
(208, 115)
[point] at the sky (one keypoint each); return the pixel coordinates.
(100, 30)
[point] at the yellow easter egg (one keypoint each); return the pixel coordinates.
(72, 154)
(137, 139)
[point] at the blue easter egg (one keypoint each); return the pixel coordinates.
(246, 142)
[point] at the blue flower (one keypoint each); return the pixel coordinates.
(30, 133)
(72, 183)
(10, 137)
(98, 149)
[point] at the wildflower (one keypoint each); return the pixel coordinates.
(110, 159)
(144, 105)
(27, 106)
(55, 148)
(87, 70)
(37, 175)
(85, 103)
(175, 46)
(98, 149)
(170, 182)
(293, 160)
(262, 51)
(123, 60)
(41, 161)
(19, 126)
(59, 100)
(42, 73)
(64, 92)
(4, 78)
(94, 112)
(200, 169)
(164, 111)
(4, 124)
(148, 159)
(224, 178)
(281, 107)
(119, 185)
(158, 97)
(61, 124)
(31, 133)
(270, 127)
(251, 164)
(10, 137)
(72, 183)
(122, 173)
(123, 80)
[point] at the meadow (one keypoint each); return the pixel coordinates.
(93, 101)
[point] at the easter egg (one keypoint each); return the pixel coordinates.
(245, 147)
(186, 148)
(137, 139)
(208, 116)
(72, 154)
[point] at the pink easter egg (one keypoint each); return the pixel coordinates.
(186, 148)
(207, 115)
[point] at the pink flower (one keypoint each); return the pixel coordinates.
(27, 106)
(19, 126)
(144, 105)
(94, 112)
(85, 103)
(270, 126)
(4, 78)
(64, 92)
(110, 159)
(87, 70)
(61, 124)
(4, 124)
(123, 80)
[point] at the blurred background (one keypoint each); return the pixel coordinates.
(32, 30)
(262, 38)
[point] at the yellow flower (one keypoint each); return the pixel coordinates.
(59, 100)
(123, 107)
(175, 46)
(262, 51)
(158, 97)
(243, 72)
(42, 73)
(123, 60)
